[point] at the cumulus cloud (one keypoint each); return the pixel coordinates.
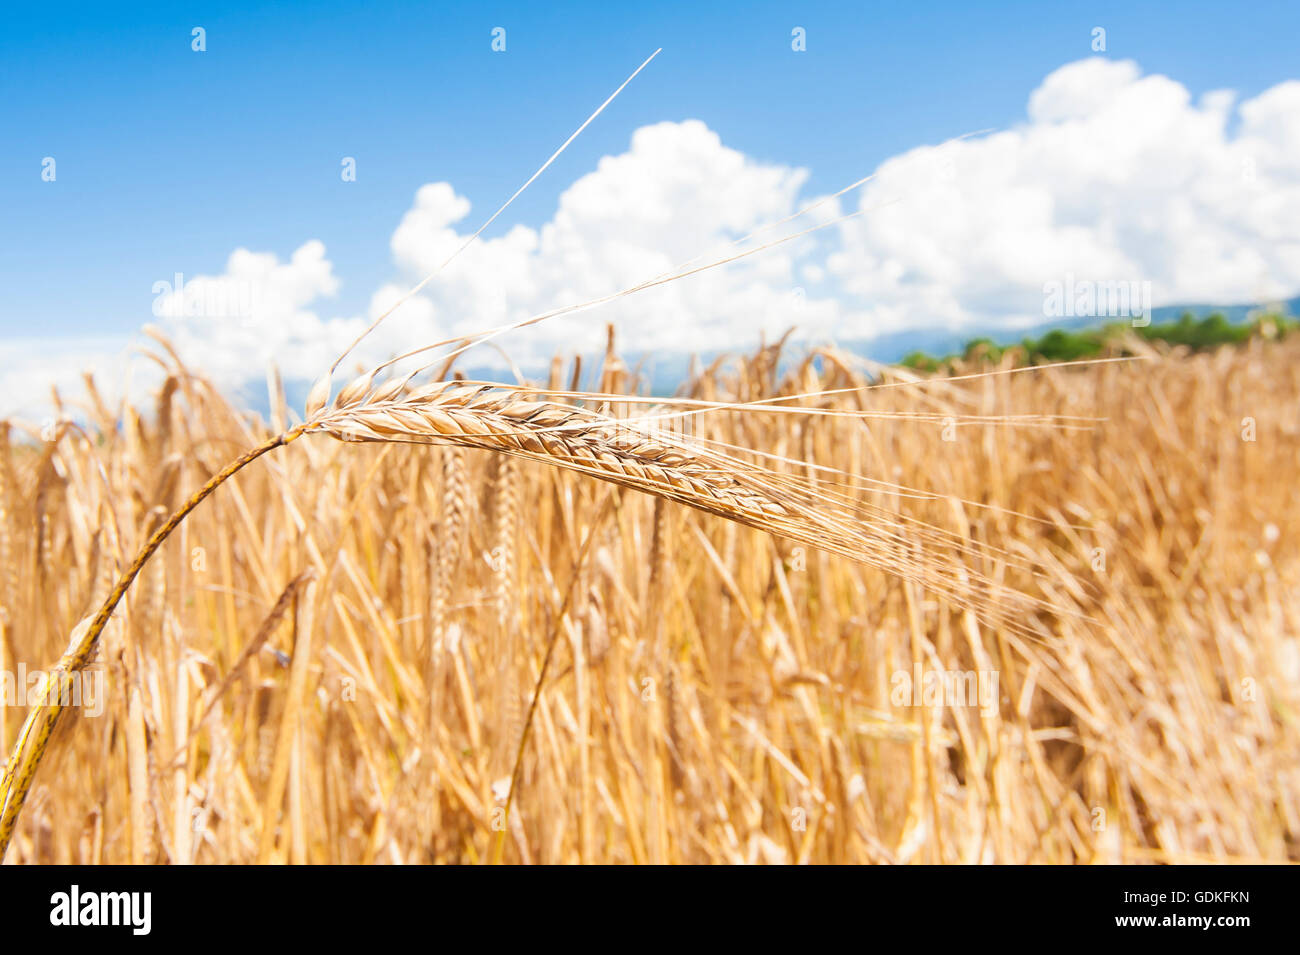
(32, 369)
(230, 327)
(255, 313)
(1111, 177)
(1115, 177)
(676, 193)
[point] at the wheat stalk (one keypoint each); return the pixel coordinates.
(35, 734)
(629, 453)
(511, 421)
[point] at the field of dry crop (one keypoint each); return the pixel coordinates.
(332, 659)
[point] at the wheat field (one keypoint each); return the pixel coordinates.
(332, 660)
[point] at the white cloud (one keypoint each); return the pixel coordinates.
(34, 368)
(235, 324)
(230, 327)
(677, 192)
(1113, 176)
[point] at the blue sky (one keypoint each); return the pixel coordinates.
(168, 160)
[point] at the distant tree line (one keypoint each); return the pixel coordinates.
(1112, 339)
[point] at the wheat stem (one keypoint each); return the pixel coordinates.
(24, 759)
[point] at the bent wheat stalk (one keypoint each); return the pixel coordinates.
(20, 768)
(512, 421)
(29, 747)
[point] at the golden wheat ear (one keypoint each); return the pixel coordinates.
(563, 436)
(640, 456)
(21, 766)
